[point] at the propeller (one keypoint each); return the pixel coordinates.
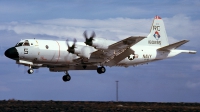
(72, 48)
(88, 41)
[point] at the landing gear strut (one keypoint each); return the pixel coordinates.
(101, 70)
(66, 77)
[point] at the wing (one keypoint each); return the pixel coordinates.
(116, 52)
(128, 42)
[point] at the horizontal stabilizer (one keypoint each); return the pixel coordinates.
(173, 46)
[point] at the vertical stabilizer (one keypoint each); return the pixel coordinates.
(157, 35)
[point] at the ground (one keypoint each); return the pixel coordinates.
(89, 106)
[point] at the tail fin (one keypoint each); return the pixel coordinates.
(157, 35)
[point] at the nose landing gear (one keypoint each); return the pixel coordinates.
(30, 70)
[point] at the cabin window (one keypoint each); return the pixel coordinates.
(47, 47)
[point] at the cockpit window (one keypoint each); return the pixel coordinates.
(19, 44)
(26, 43)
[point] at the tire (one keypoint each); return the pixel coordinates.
(101, 70)
(66, 78)
(98, 70)
(30, 71)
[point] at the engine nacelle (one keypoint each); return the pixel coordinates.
(101, 43)
(84, 51)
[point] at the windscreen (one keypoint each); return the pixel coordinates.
(25, 43)
(19, 44)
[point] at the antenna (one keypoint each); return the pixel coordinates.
(117, 91)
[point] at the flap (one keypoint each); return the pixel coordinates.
(119, 57)
(128, 42)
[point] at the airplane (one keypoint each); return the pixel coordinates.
(95, 53)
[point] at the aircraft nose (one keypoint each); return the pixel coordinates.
(12, 53)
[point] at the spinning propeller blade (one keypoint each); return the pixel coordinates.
(88, 41)
(72, 48)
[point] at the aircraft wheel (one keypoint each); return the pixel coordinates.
(101, 70)
(66, 78)
(30, 71)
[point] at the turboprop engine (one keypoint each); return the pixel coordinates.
(84, 51)
(98, 43)
(80, 50)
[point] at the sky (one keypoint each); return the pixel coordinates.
(175, 79)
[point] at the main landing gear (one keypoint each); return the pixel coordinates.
(101, 70)
(66, 77)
